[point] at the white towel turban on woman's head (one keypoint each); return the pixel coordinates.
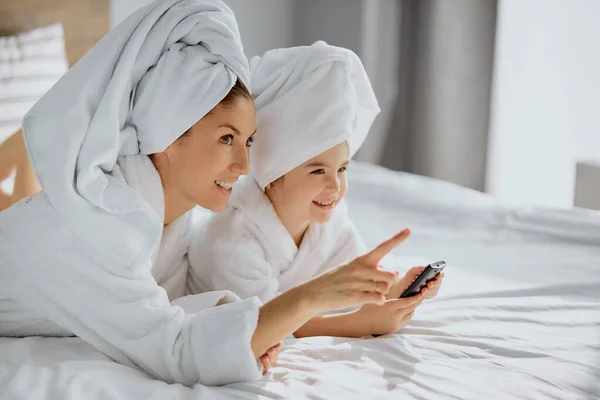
(134, 93)
(308, 99)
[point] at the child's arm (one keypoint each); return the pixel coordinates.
(368, 320)
(373, 319)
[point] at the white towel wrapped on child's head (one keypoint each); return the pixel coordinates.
(308, 99)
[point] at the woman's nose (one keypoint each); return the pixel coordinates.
(241, 164)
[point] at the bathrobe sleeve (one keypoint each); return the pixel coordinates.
(117, 309)
(236, 263)
(348, 246)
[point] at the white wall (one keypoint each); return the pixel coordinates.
(370, 29)
(264, 24)
(583, 20)
(380, 53)
(120, 9)
(545, 99)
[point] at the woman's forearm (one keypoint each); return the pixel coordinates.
(341, 325)
(26, 182)
(279, 318)
(13, 155)
(10, 154)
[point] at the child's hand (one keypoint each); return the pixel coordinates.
(387, 318)
(433, 286)
(270, 357)
(428, 292)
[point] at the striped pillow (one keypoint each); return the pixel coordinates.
(30, 64)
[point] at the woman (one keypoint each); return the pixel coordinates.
(154, 120)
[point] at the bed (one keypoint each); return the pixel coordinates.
(518, 316)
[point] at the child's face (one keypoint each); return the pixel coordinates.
(311, 191)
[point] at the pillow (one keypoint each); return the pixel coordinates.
(30, 64)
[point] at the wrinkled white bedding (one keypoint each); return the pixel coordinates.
(518, 315)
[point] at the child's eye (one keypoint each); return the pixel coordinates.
(250, 141)
(343, 169)
(227, 139)
(318, 171)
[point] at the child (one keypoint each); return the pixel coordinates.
(288, 221)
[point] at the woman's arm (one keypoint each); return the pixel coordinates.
(13, 155)
(370, 319)
(279, 318)
(9, 154)
(340, 325)
(26, 183)
(360, 282)
(117, 308)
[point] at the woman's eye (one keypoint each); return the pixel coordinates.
(318, 171)
(250, 141)
(227, 139)
(343, 169)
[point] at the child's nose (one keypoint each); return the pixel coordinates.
(334, 184)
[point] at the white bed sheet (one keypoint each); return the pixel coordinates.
(518, 316)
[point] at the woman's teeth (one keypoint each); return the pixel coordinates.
(225, 185)
(324, 203)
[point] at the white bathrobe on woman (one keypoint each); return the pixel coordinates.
(84, 256)
(308, 99)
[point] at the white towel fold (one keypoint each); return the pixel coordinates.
(308, 99)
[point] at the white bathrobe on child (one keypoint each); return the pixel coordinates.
(247, 250)
(308, 99)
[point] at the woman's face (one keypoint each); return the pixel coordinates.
(202, 166)
(312, 190)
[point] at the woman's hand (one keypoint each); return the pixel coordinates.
(270, 357)
(362, 281)
(387, 318)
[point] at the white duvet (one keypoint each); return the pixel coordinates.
(518, 316)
